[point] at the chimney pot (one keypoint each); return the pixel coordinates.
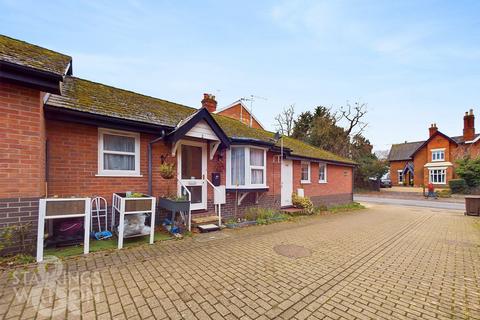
(433, 129)
(209, 102)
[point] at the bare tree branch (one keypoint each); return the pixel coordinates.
(285, 120)
(354, 116)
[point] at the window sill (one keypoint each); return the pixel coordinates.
(305, 182)
(246, 189)
(322, 182)
(119, 175)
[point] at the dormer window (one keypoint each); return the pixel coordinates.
(438, 155)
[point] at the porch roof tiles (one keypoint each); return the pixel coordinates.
(95, 98)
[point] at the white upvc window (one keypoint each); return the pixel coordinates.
(437, 175)
(400, 176)
(118, 153)
(305, 172)
(438, 155)
(246, 167)
(322, 172)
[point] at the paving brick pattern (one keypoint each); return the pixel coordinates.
(380, 263)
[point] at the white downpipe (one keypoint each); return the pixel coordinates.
(189, 222)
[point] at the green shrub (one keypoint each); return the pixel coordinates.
(303, 203)
(445, 193)
(469, 170)
(458, 185)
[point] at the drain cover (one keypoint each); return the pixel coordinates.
(292, 251)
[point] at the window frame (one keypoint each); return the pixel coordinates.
(248, 168)
(302, 181)
(438, 152)
(400, 176)
(101, 152)
(325, 170)
(443, 174)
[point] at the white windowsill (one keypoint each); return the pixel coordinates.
(305, 182)
(119, 175)
(322, 182)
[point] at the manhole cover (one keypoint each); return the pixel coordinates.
(292, 251)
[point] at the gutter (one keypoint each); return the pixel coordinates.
(150, 169)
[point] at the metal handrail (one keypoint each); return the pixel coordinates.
(189, 223)
(219, 205)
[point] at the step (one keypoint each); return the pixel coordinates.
(204, 220)
(208, 228)
(291, 210)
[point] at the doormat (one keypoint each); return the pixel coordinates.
(292, 251)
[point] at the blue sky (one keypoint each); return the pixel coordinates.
(412, 62)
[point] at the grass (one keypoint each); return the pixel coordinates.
(104, 245)
(346, 207)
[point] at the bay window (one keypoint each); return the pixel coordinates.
(246, 167)
(322, 173)
(118, 153)
(437, 175)
(305, 172)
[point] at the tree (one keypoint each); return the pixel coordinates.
(354, 116)
(285, 120)
(469, 170)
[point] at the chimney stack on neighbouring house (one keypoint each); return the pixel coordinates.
(469, 126)
(433, 129)
(209, 102)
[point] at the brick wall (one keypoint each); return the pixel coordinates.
(394, 167)
(237, 110)
(22, 143)
(339, 181)
(22, 156)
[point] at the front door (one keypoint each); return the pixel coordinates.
(192, 171)
(287, 183)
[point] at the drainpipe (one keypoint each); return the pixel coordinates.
(150, 161)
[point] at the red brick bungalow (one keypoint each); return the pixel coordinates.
(433, 160)
(65, 136)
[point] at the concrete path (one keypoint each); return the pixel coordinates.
(384, 262)
(432, 203)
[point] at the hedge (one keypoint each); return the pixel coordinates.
(458, 186)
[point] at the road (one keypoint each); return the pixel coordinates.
(435, 204)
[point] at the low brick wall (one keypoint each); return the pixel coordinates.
(331, 200)
(16, 211)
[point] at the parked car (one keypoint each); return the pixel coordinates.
(385, 181)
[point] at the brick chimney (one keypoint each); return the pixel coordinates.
(209, 102)
(469, 126)
(433, 129)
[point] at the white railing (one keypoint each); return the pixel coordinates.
(189, 222)
(219, 210)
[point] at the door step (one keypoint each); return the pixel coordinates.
(204, 220)
(208, 227)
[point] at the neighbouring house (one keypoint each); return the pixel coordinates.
(239, 111)
(433, 160)
(65, 136)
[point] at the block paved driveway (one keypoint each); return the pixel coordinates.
(384, 263)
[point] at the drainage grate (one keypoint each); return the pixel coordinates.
(292, 251)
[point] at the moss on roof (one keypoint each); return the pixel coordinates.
(86, 96)
(32, 56)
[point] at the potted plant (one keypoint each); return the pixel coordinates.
(167, 170)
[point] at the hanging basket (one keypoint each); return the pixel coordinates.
(167, 170)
